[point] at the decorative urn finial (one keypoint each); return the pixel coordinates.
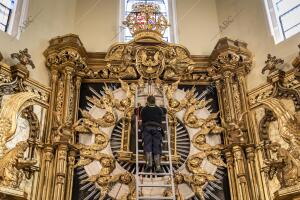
(146, 21)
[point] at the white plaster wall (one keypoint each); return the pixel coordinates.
(96, 23)
(53, 18)
(197, 23)
(251, 25)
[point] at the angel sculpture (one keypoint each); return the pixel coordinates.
(190, 118)
(209, 126)
(234, 130)
(13, 165)
(196, 181)
(103, 179)
(88, 155)
(85, 126)
(62, 131)
(106, 100)
(24, 58)
(212, 155)
(176, 105)
(107, 120)
(128, 102)
(106, 182)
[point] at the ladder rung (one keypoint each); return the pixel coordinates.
(158, 174)
(153, 185)
(155, 197)
(162, 162)
(164, 141)
(142, 151)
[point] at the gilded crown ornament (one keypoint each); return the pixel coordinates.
(146, 21)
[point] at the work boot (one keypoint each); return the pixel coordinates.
(158, 168)
(148, 156)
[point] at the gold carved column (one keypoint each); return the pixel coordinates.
(231, 61)
(65, 58)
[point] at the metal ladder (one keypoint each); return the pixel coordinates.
(140, 175)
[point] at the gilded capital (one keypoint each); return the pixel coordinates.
(66, 52)
(230, 55)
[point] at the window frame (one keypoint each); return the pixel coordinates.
(171, 18)
(17, 19)
(275, 21)
(10, 10)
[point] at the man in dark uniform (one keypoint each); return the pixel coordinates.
(152, 116)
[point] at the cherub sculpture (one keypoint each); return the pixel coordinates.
(213, 155)
(196, 181)
(62, 131)
(85, 126)
(234, 130)
(209, 126)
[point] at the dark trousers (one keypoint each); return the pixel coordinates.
(152, 139)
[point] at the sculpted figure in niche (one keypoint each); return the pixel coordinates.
(285, 166)
(12, 166)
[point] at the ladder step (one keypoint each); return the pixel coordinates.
(158, 174)
(164, 141)
(163, 151)
(162, 162)
(154, 185)
(155, 197)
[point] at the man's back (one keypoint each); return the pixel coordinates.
(152, 113)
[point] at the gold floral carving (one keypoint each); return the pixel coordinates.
(68, 56)
(236, 100)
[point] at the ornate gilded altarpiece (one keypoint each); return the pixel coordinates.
(76, 139)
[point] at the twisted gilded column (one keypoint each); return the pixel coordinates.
(231, 61)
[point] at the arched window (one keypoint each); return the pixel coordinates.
(13, 14)
(167, 7)
(284, 18)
